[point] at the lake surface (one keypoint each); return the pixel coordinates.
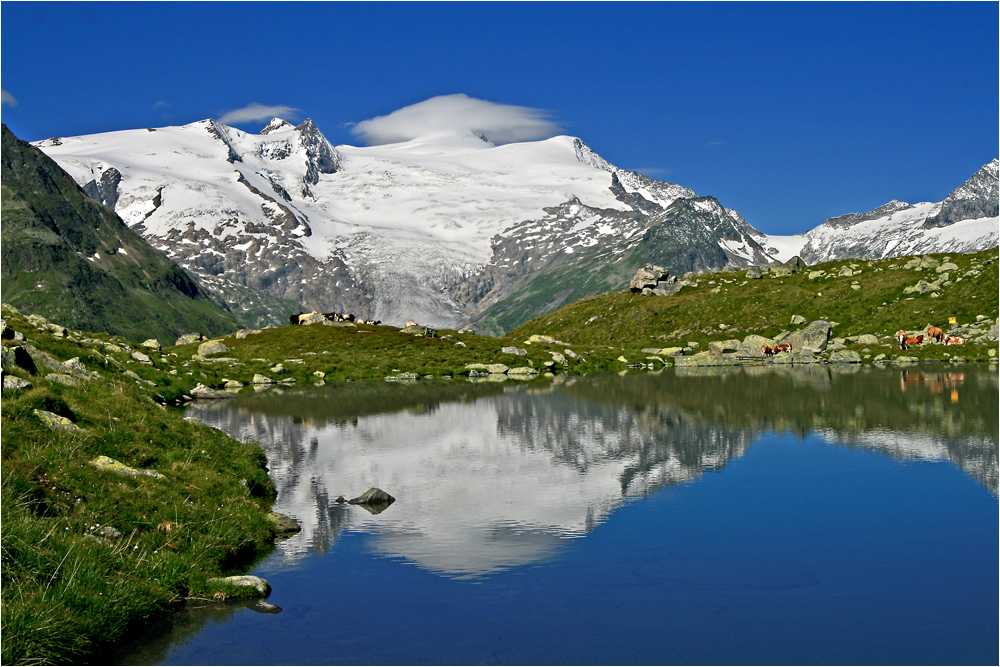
(752, 516)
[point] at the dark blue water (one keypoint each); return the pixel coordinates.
(628, 521)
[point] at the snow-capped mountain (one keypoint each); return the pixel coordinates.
(411, 230)
(965, 221)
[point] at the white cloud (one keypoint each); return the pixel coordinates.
(500, 123)
(258, 112)
(7, 100)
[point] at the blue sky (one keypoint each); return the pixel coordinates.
(789, 113)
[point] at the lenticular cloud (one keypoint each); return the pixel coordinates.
(255, 112)
(500, 123)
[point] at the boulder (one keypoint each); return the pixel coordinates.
(201, 391)
(798, 319)
(928, 262)
(754, 273)
(947, 266)
(212, 347)
(262, 379)
(243, 333)
(707, 359)
(558, 358)
(522, 370)
(373, 496)
(283, 524)
(12, 383)
(795, 264)
(723, 346)
(497, 368)
(312, 318)
(141, 358)
(647, 277)
(844, 357)
(571, 354)
(187, 339)
(152, 344)
(868, 339)
(510, 349)
(814, 335)
(845, 272)
(56, 422)
(752, 343)
(543, 340)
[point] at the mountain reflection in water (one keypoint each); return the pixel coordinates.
(489, 477)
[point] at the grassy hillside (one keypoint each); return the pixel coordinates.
(68, 258)
(872, 300)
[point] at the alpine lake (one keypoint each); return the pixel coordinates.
(758, 516)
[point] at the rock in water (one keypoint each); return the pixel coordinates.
(373, 496)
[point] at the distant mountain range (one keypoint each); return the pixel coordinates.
(447, 229)
(71, 260)
(965, 221)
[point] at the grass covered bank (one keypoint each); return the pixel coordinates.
(90, 556)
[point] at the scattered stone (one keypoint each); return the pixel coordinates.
(571, 354)
(905, 360)
(62, 378)
(928, 262)
(497, 368)
(142, 358)
(283, 524)
(403, 378)
(522, 370)
(243, 333)
(868, 339)
(201, 391)
(248, 585)
(845, 272)
(278, 368)
(56, 422)
(514, 350)
(109, 464)
(212, 347)
(152, 344)
(13, 383)
(233, 384)
(798, 319)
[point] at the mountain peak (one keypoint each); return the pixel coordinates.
(276, 124)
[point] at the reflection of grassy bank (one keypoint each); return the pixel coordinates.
(958, 405)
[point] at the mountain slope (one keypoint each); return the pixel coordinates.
(965, 221)
(424, 229)
(72, 260)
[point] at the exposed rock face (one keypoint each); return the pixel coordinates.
(965, 221)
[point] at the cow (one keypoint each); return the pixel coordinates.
(766, 350)
(936, 333)
(905, 341)
(954, 340)
(783, 347)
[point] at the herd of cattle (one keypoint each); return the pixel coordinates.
(298, 318)
(933, 333)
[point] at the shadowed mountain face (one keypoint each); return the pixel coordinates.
(489, 477)
(74, 262)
